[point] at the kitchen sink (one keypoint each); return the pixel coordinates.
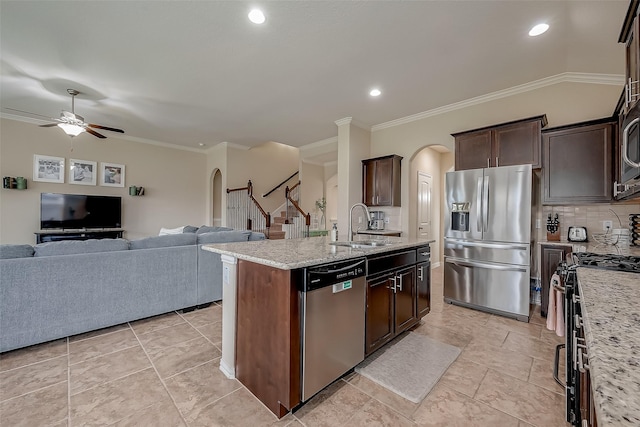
(362, 244)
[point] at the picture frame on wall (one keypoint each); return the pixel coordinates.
(48, 169)
(111, 174)
(82, 172)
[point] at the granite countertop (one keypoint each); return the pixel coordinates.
(289, 254)
(611, 313)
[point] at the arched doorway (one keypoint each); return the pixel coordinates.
(216, 198)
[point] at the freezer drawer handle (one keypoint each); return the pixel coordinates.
(464, 263)
(488, 245)
(625, 143)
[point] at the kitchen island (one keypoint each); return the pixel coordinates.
(610, 303)
(262, 310)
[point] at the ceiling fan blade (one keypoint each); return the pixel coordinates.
(105, 128)
(29, 112)
(48, 125)
(94, 133)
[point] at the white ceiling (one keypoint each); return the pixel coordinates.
(199, 72)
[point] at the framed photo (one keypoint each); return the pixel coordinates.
(82, 172)
(48, 169)
(111, 174)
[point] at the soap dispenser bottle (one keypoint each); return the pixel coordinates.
(334, 233)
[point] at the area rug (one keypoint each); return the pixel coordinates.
(409, 366)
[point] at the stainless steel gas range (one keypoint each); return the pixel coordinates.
(580, 410)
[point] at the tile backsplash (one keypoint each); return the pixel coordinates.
(590, 216)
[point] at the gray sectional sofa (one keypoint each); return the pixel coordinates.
(58, 289)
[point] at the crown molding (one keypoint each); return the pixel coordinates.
(608, 79)
(320, 144)
(344, 121)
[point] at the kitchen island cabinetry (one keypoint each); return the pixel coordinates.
(508, 144)
(551, 256)
(423, 281)
(577, 163)
(381, 181)
(265, 324)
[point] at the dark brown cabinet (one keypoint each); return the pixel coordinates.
(577, 163)
(629, 36)
(551, 256)
(423, 281)
(381, 181)
(513, 143)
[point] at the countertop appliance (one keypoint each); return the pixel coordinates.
(577, 234)
(487, 250)
(579, 409)
(333, 322)
(377, 220)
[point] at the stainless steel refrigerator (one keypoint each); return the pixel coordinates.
(487, 243)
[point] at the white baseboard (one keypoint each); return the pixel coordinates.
(229, 373)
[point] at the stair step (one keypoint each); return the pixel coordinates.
(280, 220)
(276, 235)
(275, 227)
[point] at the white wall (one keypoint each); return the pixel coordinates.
(311, 188)
(174, 180)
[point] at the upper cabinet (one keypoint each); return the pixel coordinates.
(507, 144)
(381, 181)
(629, 36)
(577, 163)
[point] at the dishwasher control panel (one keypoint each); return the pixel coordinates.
(334, 274)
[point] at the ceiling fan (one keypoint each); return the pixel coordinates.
(73, 124)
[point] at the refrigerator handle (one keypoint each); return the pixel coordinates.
(500, 267)
(485, 207)
(479, 205)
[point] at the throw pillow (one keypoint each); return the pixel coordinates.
(16, 251)
(189, 229)
(165, 231)
(223, 237)
(210, 229)
(164, 241)
(72, 247)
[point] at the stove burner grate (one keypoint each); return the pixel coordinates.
(627, 263)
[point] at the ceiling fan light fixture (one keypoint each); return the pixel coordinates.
(71, 130)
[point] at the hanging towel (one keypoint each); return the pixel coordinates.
(555, 312)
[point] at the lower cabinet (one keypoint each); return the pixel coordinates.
(398, 295)
(551, 256)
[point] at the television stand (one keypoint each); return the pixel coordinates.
(43, 236)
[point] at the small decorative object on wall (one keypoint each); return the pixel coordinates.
(112, 174)
(48, 169)
(82, 172)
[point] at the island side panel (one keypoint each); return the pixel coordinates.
(268, 335)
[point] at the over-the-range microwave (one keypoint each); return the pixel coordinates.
(630, 152)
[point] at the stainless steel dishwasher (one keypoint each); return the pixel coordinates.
(333, 310)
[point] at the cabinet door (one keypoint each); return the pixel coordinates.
(405, 299)
(384, 182)
(632, 58)
(577, 164)
(379, 315)
(551, 256)
(369, 182)
(517, 144)
(423, 288)
(473, 150)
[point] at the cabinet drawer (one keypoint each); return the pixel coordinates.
(423, 253)
(380, 264)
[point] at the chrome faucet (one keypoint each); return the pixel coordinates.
(366, 210)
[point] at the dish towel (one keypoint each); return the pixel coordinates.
(555, 313)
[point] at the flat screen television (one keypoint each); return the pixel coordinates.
(75, 211)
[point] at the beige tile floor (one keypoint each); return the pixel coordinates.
(164, 371)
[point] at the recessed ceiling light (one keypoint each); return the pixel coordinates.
(201, 144)
(256, 16)
(375, 92)
(538, 29)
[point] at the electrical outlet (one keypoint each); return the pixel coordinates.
(360, 220)
(607, 225)
(538, 223)
(386, 220)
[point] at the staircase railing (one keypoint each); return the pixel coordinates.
(296, 228)
(280, 185)
(244, 212)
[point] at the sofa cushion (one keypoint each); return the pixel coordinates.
(70, 247)
(209, 229)
(224, 236)
(189, 229)
(256, 236)
(164, 241)
(165, 231)
(15, 251)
